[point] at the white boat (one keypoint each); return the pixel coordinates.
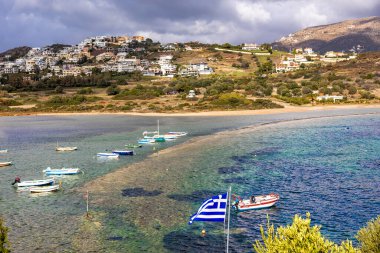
(146, 141)
(65, 148)
(64, 171)
(256, 202)
(39, 189)
(41, 182)
(107, 155)
(177, 134)
(2, 151)
(3, 164)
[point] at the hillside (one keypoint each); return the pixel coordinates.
(15, 53)
(342, 36)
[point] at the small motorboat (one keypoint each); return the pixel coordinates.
(3, 164)
(107, 155)
(40, 189)
(133, 146)
(123, 152)
(64, 171)
(65, 148)
(178, 134)
(42, 182)
(3, 151)
(255, 202)
(146, 141)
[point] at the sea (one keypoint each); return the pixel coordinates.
(322, 162)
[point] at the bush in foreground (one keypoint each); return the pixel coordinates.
(4, 243)
(298, 237)
(369, 236)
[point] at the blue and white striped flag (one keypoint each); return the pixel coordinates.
(213, 209)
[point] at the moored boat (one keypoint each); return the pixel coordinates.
(146, 141)
(177, 134)
(40, 189)
(256, 202)
(133, 146)
(123, 152)
(64, 171)
(65, 148)
(3, 164)
(107, 155)
(2, 151)
(42, 182)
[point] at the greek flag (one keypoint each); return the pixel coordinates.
(213, 209)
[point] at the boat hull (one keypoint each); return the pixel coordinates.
(123, 152)
(36, 183)
(59, 172)
(40, 189)
(5, 164)
(262, 202)
(107, 155)
(66, 148)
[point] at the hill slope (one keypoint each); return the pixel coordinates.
(337, 37)
(15, 53)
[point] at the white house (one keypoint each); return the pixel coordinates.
(250, 46)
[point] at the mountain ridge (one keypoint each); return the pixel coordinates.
(358, 35)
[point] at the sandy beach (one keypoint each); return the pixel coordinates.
(289, 109)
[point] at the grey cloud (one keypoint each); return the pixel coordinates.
(38, 23)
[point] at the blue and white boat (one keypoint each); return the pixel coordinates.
(123, 152)
(107, 155)
(42, 182)
(146, 141)
(64, 171)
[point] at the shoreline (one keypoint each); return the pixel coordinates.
(158, 172)
(293, 109)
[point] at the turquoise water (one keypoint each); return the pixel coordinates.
(327, 166)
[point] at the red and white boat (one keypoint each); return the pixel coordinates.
(255, 202)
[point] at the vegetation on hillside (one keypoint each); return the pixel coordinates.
(300, 237)
(4, 243)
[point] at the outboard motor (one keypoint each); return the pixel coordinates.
(17, 180)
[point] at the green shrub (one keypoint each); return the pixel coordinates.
(84, 91)
(9, 102)
(298, 237)
(232, 99)
(113, 90)
(4, 243)
(294, 100)
(369, 236)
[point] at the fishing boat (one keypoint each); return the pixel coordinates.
(40, 189)
(146, 141)
(65, 148)
(177, 134)
(3, 164)
(133, 146)
(123, 152)
(256, 202)
(64, 171)
(2, 151)
(107, 155)
(42, 182)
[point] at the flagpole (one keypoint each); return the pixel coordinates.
(228, 224)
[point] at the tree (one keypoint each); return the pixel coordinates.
(113, 90)
(369, 236)
(4, 243)
(298, 237)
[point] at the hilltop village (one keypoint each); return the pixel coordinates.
(134, 73)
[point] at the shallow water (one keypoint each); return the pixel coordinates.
(326, 166)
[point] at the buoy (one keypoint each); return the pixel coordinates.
(203, 233)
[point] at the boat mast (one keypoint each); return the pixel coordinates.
(228, 224)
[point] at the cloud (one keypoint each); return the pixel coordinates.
(39, 23)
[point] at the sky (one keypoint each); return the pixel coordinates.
(38, 23)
